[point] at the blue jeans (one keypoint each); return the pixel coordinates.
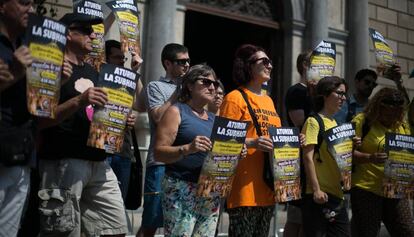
(122, 169)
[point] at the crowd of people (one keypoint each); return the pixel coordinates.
(81, 190)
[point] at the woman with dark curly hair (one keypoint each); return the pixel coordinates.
(323, 212)
(251, 201)
(182, 143)
(384, 113)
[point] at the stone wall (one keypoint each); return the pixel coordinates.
(394, 19)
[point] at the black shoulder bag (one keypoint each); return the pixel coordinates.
(267, 169)
(133, 198)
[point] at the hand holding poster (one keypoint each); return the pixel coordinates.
(322, 61)
(286, 163)
(126, 13)
(383, 53)
(220, 164)
(46, 40)
(97, 56)
(340, 146)
(399, 167)
(108, 124)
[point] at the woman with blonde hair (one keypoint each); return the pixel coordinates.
(384, 113)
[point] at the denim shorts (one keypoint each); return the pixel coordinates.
(152, 216)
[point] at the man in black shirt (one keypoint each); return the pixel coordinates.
(79, 191)
(16, 130)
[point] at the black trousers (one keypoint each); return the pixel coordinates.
(316, 224)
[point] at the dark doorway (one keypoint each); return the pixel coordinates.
(214, 40)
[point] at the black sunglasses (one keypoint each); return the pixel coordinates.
(182, 62)
(85, 30)
(265, 61)
(207, 82)
(340, 93)
(370, 83)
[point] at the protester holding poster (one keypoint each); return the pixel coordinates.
(323, 212)
(75, 178)
(183, 143)
(251, 200)
(384, 113)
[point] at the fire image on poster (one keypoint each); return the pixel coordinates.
(219, 166)
(340, 146)
(286, 163)
(126, 14)
(94, 9)
(108, 124)
(322, 61)
(399, 167)
(46, 40)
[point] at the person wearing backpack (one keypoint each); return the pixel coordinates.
(323, 212)
(384, 113)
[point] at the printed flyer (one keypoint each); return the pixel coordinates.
(88, 7)
(286, 163)
(322, 61)
(126, 13)
(46, 40)
(399, 167)
(108, 123)
(340, 145)
(220, 164)
(383, 53)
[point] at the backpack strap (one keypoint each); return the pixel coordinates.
(320, 133)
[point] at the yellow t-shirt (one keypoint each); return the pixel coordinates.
(249, 188)
(369, 176)
(327, 171)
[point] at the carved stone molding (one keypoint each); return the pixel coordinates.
(254, 8)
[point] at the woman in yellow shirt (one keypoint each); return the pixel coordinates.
(251, 202)
(322, 212)
(384, 113)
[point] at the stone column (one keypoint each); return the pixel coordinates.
(358, 38)
(159, 31)
(317, 21)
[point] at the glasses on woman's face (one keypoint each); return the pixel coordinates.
(265, 61)
(207, 82)
(340, 94)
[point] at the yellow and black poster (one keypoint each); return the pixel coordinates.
(322, 61)
(126, 14)
(46, 40)
(383, 52)
(340, 146)
(220, 164)
(399, 167)
(88, 7)
(286, 163)
(108, 124)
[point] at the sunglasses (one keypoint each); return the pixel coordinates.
(340, 93)
(207, 82)
(265, 61)
(370, 83)
(25, 2)
(182, 62)
(85, 30)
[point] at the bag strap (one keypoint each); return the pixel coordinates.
(137, 153)
(320, 133)
(252, 114)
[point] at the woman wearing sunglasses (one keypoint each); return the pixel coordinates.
(251, 201)
(384, 113)
(214, 106)
(182, 143)
(322, 212)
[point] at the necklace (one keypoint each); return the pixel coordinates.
(198, 113)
